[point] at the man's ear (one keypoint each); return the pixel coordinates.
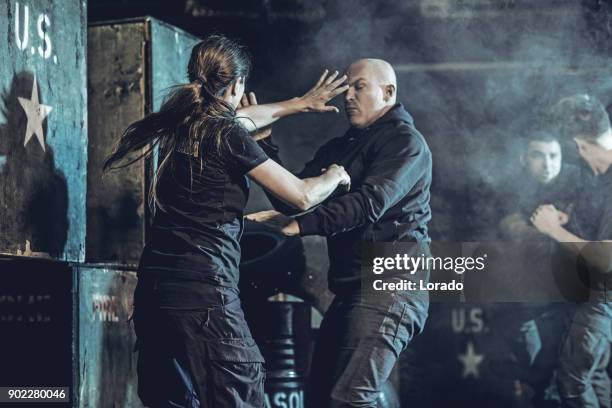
(389, 92)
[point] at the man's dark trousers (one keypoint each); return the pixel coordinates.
(360, 340)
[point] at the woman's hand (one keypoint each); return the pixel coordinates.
(326, 88)
(341, 174)
(255, 117)
(251, 100)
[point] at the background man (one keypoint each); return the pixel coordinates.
(582, 379)
(389, 162)
(544, 179)
(532, 330)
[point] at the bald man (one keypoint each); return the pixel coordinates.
(363, 332)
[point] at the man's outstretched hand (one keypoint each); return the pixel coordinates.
(287, 225)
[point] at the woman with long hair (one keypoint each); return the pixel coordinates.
(195, 348)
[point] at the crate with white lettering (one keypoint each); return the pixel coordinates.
(66, 325)
(106, 361)
(43, 133)
(476, 355)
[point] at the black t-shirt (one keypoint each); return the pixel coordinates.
(196, 233)
(587, 217)
(590, 220)
(596, 314)
(601, 281)
(604, 232)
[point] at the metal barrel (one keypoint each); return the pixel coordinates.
(285, 384)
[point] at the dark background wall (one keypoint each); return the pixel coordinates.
(476, 75)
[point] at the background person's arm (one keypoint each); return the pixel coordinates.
(598, 254)
(513, 226)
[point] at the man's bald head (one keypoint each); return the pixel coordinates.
(372, 91)
(378, 70)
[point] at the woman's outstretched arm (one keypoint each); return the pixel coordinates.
(327, 87)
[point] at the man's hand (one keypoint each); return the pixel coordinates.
(548, 220)
(598, 158)
(287, 225)
(251, 100)
(324, 90)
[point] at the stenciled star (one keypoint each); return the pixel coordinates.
(470, 361)
(36, 113)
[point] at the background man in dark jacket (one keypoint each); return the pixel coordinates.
(582, 377)
(363, 333)
(533, 330)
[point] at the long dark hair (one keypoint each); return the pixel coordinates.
(191, 113)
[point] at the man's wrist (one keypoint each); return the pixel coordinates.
(309, 224)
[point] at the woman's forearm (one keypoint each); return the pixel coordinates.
(257, 116)
(254, 116)
(302, 194)
(317, 189)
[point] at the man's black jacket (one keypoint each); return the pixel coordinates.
(390, 167)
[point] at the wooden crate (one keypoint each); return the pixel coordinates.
(43, 132)
(107, 364)
(131, 64)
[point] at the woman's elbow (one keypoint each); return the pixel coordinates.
(304, 202)
(305, 197)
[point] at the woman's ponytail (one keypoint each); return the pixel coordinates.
(191, 112)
